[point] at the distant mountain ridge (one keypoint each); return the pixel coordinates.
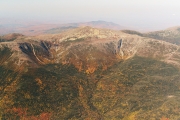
(41, 28)
(95, 24)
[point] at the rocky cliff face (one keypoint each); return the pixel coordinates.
(89, 73)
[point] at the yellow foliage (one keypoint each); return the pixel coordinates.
(26, 95)
(39, 82)
(90, 70)
(131, 116)
(80, 91)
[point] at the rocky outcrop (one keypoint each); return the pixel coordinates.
(118, 50)
(46, 45)
(37, 53)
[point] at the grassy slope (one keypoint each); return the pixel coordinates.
(171, 36)
(139, 88)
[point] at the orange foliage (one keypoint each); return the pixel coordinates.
(42, 116)
(163, 118)
(22, 113)
(90, 70)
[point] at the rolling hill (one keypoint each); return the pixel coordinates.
(89, 73)
(171, 35)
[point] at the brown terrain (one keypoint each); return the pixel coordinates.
(104, 42)
(89, 73)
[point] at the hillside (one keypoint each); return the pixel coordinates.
(89, 73)
(171, 35)
(10, 37)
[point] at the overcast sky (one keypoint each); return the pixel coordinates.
(131, 13)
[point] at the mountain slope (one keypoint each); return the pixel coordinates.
(88, 45)
(89, 73)
(171, 35)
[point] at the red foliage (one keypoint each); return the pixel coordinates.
(163, 118)
(22, 113)
(42, 116)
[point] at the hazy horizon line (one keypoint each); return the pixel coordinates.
(19, 21)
